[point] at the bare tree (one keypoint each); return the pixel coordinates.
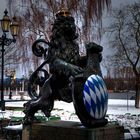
(125, 41)
(36, 19)
(10, 56)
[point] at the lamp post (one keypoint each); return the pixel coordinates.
(14, 27)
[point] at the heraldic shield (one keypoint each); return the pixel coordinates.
(90, 100)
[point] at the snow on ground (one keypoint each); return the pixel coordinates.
(115, 106)
(67, 112)
(120, 111)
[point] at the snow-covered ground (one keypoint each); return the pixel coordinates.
(66, 110)
(115, 106)
(119, 111)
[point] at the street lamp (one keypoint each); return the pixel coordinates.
(6, 24)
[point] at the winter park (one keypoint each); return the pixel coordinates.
(69, 70)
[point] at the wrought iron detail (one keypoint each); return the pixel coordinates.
(6, 41)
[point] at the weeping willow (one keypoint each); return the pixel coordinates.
(36, 18)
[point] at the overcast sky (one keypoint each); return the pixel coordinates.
(3, 6)
(106, 20)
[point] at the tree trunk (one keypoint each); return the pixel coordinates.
(137, 99)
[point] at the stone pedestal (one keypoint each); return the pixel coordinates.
(67, 130)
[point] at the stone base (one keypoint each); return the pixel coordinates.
(67, 130)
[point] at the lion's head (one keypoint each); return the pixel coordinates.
(64, 26)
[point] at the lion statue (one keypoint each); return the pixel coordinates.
(65, 65)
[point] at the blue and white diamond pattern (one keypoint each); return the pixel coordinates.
(95, 96)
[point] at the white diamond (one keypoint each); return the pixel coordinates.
(98, 93)
(93, 95)
(102, 91)
(104, 87)
(94, 77)
(87, 98)
(92, 113)
(90, 79)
